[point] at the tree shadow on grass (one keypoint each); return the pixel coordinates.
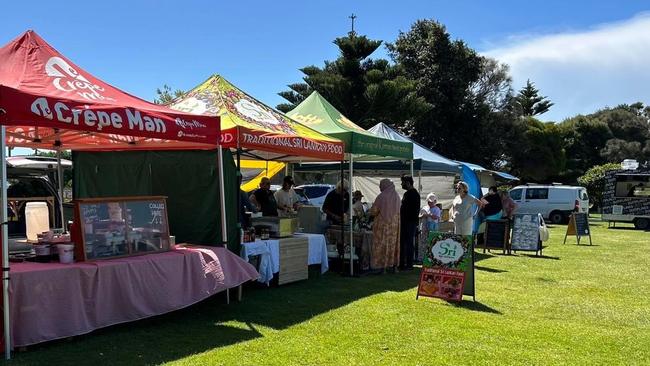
(540, 256)
(145, 342)
(212, 324)
(479, 256)
(488, 269)
(624, 228)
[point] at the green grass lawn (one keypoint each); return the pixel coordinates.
(582, 305)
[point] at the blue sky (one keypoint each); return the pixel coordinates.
(584, 55)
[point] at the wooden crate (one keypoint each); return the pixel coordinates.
(293, 260)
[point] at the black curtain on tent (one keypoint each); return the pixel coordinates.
(189, 179)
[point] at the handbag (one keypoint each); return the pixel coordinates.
(543, 229)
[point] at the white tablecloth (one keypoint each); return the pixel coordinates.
(269, 251)
(317, 250)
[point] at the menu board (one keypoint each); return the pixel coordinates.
(448, 267)
(578, 226)
(496, 234)
(122, 226)
(525, 233)
(582, 223)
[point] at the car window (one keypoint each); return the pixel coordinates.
(584, 196)
(316, 191)
(536, 193)
(515, 194)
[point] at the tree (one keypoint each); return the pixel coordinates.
(166, 95)
(530, 103)
(444, 72)
(494, 85)
(540, 155)
(365, 90)
(584, 138)
(617, 150)
(593, 180)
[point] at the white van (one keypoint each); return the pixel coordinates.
(554, 202)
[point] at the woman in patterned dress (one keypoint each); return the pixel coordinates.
(385, 228)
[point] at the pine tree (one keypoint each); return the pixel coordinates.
(530, 102)
(365, 90)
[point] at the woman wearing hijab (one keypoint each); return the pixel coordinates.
(462, 213)
(385, 229)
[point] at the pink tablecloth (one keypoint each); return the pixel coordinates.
(50, 300)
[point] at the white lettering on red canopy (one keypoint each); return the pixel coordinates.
(68, 79)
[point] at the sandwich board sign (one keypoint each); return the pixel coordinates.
(578, 226)
(497, 235)
(525, 233)
(448, 267)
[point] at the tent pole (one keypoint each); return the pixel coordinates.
(351, 216)
(5, 246)
(420, 180)
(59, 170)
(342, 222)
(224, 232)
(240, 224)
(412, 171)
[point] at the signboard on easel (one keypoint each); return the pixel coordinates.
(448, 267)
(525, 233)
(497, 235)
(578, 226)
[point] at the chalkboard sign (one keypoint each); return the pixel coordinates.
(497, 233)
(525, 233)
(582, 224)
(578, 226)
(121, 226)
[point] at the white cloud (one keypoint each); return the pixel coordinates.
(584, 71)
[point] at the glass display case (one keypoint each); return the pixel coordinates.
(121, 226)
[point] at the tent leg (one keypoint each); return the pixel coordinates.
(224, 229)
(351, 220)
(342, 223)
(412, 171)
(5, 245)
(59, 169)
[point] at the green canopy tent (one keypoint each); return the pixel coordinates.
(360, 145)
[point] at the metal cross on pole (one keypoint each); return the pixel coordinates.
(352, 17)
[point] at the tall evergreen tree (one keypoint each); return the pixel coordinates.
(365, 90)
(529, 101)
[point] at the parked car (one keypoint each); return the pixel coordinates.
(554, 202)
(32, 177)
(316, 193)
(304, 200)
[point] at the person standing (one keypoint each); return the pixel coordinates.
(263, 198)
(409, 217)
(429, 220)
(385, 228)
(492, 209)
(509, 206)
(286, 198)
(336, 203)
(462, 213)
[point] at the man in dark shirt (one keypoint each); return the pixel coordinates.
(493, 208)
(409, 216)
(263, 198)
(337, 203)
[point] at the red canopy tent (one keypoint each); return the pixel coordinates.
(48, 102)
